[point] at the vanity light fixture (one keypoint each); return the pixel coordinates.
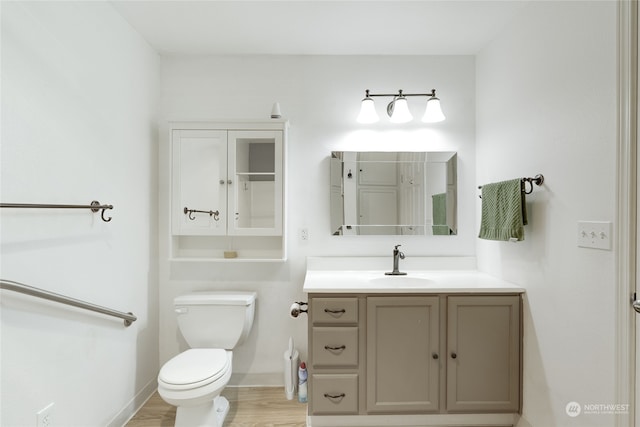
(398, 108)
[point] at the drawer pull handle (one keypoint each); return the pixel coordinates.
(334, 396)
(341, 311)
(335, 348)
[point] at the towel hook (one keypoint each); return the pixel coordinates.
(102, 216)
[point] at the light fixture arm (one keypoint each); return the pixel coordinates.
(397, 109)
(368, 94)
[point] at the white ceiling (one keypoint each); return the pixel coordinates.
(324, 27)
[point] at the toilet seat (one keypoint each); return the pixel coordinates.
(194, 368)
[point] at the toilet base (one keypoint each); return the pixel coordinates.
(222, 408)
(211, 414)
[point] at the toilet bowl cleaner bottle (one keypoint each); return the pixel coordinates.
(302, 383)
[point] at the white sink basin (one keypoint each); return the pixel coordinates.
(401, 282)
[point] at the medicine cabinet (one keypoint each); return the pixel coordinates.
(227, 190)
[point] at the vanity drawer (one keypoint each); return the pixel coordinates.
(334, 310)
(335, 346)
(334, 394)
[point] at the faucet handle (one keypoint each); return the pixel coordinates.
(396, 248)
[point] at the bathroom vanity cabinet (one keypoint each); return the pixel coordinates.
(227, 190)
(422, 354)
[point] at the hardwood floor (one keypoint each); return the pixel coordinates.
(250, 407)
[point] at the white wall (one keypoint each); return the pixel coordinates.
(79, 99)
(546, 92)
(320, 95)
(78, 123)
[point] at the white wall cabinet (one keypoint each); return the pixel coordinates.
(227, 190)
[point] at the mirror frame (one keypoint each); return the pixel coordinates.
(346, 180)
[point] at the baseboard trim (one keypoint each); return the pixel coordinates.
(433, 420)
(134, 405)
(256, 380)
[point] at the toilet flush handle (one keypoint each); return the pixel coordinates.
(181, 310)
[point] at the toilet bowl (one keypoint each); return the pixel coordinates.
(212, 323)
(193, 381)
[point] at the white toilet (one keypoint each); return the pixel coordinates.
(212, 323)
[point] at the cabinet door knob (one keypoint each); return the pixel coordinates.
(435, 356)
(453, 355)
(229, 182)
(222, 182)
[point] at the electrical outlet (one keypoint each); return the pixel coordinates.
(594, 234)
(304, 234)
(43, 416)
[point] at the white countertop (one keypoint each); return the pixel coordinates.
(424, 275)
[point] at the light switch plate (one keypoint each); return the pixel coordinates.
(595, 234)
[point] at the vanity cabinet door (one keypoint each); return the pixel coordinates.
(483, 353)
(199, 176)
(403, 360)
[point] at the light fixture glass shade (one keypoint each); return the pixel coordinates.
(367, 112)
(400, 111)
(433, 113)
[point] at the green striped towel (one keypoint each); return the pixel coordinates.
(504, 213)
(440, 230)
(439, 211)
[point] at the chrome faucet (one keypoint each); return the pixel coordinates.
(397, 256)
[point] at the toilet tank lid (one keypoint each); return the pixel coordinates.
(215, 298)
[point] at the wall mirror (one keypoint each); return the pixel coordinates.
(393, 193)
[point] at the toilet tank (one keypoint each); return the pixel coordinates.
(215, 319)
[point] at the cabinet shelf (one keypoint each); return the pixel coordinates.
(255, 173)
(225, 260)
